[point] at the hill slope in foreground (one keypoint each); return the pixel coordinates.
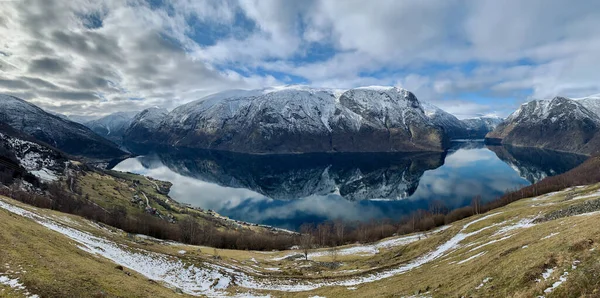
(546, 245)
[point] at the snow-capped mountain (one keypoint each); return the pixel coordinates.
(471, 128)
(302, 119)
(478, 127)
(353, 176)
(145, 123)
(455, 128)
(591, 103)
(558, 124)
(68, 136)
(112, 126)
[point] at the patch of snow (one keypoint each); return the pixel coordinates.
(490, 242)
(485, 280)
(550, 236)
(182, 252)
(522, 224)
(472, 257)
(555, 285)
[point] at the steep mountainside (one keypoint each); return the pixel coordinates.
(301, 119)
(472, 128)
(455, 128)
(112, 126)
(478, 127)
(144, 125)
(591, 103)
(71, 137)
(559, 124)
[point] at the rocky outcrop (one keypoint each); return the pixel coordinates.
(300, 120)
(559, 124)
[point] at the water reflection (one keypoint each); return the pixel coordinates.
(287, 190)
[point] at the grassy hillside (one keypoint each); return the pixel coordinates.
(546, 245)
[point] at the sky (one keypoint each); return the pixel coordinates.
(470, 58)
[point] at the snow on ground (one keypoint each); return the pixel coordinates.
(11, 282)
(588, 196)
(521, 224)
(485, 280)
(371, 249)
(211, 279)
(550, 236)
(546, 274)
(490, 242)
(45, 174)
(555, 285)
(472, 257)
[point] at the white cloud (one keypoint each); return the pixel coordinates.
(438, 49)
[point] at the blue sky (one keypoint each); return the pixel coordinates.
(468, 57)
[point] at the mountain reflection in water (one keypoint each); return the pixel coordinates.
(288, 190)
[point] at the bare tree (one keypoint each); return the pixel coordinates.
(339, 228)
(476, 204)
(306, 239)
(333, 252)
(189, 229)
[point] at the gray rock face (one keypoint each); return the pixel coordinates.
(559, 124)
(300, 120)
(68, 136)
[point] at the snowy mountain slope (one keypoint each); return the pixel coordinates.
(558, 124)
(478, 127)
(112, 126)
(71, 137)
(591, 103)
(143, 125)
(455, 128)
(302, 119)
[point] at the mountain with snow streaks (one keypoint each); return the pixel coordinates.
(112, 126)
(298, 119)
(591, 103)
(559, 124)
(145, 123)
(472, 128)
(478, 127)
(68, 136)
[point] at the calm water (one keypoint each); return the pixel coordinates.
(288, 190)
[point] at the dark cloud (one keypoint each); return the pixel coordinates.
(13, 84)
(39, 83)
(69, 95)
(48, 65)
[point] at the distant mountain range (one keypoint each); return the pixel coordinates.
(472, 128)
(297, 119)
(560, 124)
